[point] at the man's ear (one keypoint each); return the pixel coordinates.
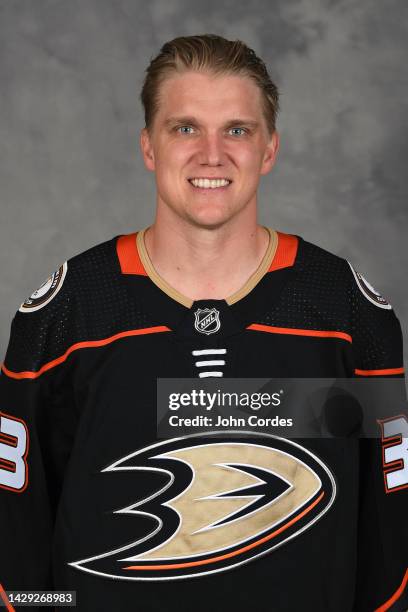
(147, 150)
(271, 153)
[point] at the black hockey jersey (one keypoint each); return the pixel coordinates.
(92, 501)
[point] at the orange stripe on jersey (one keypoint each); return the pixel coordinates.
(396, 595)
(285, 252)
(5, 599)
(385, 372)
(81, 345)
(300, 332)
(128, 255)
(235, 552)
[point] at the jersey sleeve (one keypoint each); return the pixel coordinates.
(37, 426)
(382, 569)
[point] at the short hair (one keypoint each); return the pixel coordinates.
(208, 53)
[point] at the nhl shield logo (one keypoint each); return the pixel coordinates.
(207, 320)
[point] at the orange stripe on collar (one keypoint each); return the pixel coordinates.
(128, 255)
(285, 253)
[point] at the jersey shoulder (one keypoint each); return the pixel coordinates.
(337, 276)
(339, 288)
(83, 300)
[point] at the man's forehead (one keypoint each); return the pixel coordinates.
(194, 94)
(207, 88)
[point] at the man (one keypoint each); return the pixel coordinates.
(91, 500)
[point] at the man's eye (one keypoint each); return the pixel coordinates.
(185, 129)
(238, 131)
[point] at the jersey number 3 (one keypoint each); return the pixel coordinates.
(395, 452)
(13, 453)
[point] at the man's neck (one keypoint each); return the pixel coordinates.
(206, 264)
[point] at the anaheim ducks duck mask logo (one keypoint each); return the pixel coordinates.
(223, 501)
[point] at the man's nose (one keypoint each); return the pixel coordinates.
(211, 150)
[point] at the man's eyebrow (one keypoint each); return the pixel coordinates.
(186, 120)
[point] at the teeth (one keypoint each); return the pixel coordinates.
(209, 183)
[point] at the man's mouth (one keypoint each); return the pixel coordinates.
(209, 183)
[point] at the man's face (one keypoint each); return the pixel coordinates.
(208, 127)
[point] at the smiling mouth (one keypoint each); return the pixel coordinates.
(207, 183)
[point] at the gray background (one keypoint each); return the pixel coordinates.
(70, 169)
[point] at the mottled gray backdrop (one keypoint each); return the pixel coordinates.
(70, 169)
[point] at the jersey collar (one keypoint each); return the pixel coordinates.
(134, 259)
(175, 310)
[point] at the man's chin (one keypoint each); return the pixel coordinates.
(208, 221)
(205, 216)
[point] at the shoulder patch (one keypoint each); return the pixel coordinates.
(48, 290)
(368, 290)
